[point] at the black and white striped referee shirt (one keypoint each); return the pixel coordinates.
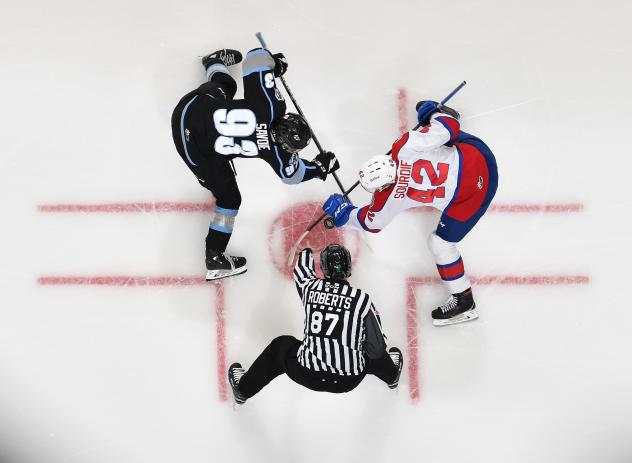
(341, 324)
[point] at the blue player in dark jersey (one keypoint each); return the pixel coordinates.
(210, 128)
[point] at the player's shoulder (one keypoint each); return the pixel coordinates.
(359, 293)
(412, 141)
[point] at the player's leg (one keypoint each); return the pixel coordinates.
(270, 364)
(219, 83)
(215, 174)
(387, 367)
(460, 306)
(455, 223)
(220, 179)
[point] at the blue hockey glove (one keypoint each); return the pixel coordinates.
(338, 207)
(425, 109)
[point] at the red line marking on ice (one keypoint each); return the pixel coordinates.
(162, 207)
(552, 208)
(220, 336)
(402, 110)
(508, 280)
(411, 338)
(531, 208)
(135, 207)
(121, 280)
(132, 281)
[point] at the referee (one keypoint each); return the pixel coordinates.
(343, 339)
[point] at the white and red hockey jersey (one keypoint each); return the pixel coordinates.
(432, 171)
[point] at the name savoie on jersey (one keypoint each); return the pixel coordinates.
(329, 299)
(263, 141)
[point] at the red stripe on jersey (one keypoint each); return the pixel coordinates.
(381, 197)
(397, 146)
(451, 271)
(362, 216)
(451, 124)
(472, 186)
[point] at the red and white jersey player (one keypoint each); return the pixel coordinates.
(436, 166)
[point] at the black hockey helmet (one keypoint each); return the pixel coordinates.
(291, 132)
(335, 261)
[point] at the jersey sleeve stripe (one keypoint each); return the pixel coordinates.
(361, 215)
(397, 146)
(451, 125)
(257, 69)
(184, 141)
(263, 88)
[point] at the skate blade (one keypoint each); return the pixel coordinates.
(461, 318)
(219, 274)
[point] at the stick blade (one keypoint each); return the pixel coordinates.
(294, 248)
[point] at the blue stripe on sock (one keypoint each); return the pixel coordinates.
(217, 67)
(219, 228)
(449, 265)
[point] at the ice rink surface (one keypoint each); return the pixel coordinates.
(128, 370)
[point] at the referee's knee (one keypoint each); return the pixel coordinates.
(283, 343)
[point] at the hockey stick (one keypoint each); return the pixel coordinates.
(444, 101)
(294, 248)
(298, 108)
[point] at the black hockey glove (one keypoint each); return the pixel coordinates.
(326, 163)
(280, 64)
(426, 108)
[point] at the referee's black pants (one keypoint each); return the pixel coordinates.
(281, 357)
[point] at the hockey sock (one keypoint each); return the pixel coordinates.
(449, 264)
(220, 229)
(214, 69)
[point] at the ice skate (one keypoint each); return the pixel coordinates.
(220, 265)
(226, 56)
(458, 308)
(398, 360)
(235, 372)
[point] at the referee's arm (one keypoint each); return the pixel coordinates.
(304, 270)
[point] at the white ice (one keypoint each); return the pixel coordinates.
(128, 375)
